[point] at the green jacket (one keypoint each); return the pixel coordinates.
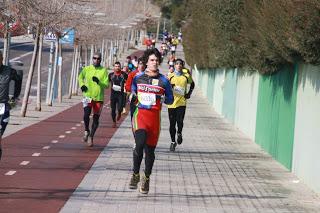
(95, 91)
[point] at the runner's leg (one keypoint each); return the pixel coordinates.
(140, 140)
(86, 117)
(173, 120)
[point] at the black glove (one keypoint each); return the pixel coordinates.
(172, 85)
(95, 79)
(12, 103)
(84, 88)
(187, 96)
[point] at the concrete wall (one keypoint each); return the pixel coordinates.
(218, 90)
(306, 150)
(246, 102)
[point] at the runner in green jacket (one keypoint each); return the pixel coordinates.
(93, 80)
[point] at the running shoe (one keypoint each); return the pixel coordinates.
(135, 179)
(173, 146)
(144, 188)
(90, 142)
(86, 136)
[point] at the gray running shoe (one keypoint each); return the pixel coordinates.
(135, 179)
(144, 188)
(85, 136)
(173, 146)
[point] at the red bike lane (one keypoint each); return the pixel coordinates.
(48, 160)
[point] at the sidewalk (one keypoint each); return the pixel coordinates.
(216, 169)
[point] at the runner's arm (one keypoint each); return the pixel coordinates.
(17, 83)
(168, 93)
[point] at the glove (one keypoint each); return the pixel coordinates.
(187, 96)
(172, 85)
(12, 103)
(95, 79)
(84, 88)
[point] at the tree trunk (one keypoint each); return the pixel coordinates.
(38, 107)
(30, 75)
(6, 44)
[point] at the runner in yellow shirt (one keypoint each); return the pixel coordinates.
(179, 79)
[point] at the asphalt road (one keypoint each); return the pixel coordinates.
(23, 52)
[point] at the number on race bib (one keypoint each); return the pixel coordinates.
(147, 99)
(86, 101)
(2, 108)
(179, 90)
(116, 88)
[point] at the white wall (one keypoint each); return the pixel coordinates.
(246, 102)
(306, 148)
(218, 90)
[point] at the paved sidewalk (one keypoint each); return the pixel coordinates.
(216, 169)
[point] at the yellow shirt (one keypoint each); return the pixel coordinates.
(179, 89)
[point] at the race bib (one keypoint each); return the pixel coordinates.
(86, 101)
(173, 48)
(147, 99)
(179, 90)
(116, 88)
(2, 108)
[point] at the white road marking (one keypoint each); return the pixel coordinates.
(11, 172)
(36, 154)
(24, 163)
(46, 147)
(62, 136)
(68, 132)
(73, 127)
(54, 141)
(21, 56)
(78, 124)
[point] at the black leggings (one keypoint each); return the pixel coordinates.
(116, 104)
(86, 119)
(4, 120)
(176, 116)
(140, 139)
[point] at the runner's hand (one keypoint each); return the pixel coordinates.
(95, 79)
(84, 88)
(187, 96)
(12, 103)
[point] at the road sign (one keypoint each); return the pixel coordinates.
(50, 36)
(68, 37)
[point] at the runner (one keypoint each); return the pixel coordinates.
(117, 79)
(179, 81)
(6, 75)
(151, 89)
(93, 80)
(128, 85)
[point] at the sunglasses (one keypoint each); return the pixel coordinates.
(95, 58)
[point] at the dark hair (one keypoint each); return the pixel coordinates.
(180, 60)
(140, 60)
(117, 62)
(97, 54)
(149, 52)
